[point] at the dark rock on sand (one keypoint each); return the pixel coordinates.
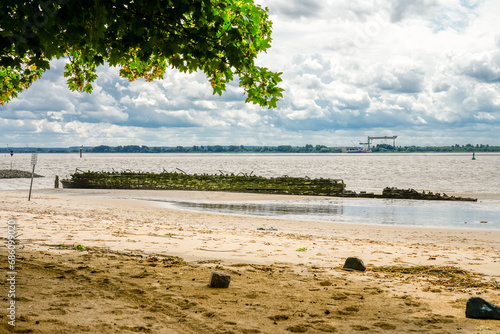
(269, 229)
(354, 263)
(479, 308)
(219, 279)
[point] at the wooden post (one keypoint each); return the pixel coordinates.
(31, 184)
(34, 157)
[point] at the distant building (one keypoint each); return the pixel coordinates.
(352, 149)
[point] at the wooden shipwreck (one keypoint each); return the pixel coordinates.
(237, 183)
(206, 182)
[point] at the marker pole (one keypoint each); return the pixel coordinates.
(31, 185)
(34, 158)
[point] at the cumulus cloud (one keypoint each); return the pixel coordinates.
(407, 8)
(399, 78)
(484, 66)
(294, 9)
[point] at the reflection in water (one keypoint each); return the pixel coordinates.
(268, 208)
(481, 215)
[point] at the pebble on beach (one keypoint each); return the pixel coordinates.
(478, 308)
(354, 263)
(219, 279)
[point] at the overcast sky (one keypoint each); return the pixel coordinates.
(427, 71)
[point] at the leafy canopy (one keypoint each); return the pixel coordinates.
(143, 38)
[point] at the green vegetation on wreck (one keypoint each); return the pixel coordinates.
(391, 192)
(206, 182)
(237, 183)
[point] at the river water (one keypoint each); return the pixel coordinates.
(448, 173)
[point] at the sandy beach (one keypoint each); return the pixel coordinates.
(145, 269)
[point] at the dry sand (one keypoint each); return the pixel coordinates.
(145, 269)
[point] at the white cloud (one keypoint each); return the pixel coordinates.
(484, 66)
(398, 76)
(409, 8)
(484, 115)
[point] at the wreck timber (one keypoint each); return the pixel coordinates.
(206, 182)
(389, 192)
(238, 183)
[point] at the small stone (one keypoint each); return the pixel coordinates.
(219, 279)
(354, 263)
(478, 308)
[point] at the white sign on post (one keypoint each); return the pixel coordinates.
(34, 157)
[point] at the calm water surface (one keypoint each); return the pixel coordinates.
(440, 214)
(449, 173)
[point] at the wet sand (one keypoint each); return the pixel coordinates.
(145, 269)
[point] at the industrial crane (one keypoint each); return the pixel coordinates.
(385, 137)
